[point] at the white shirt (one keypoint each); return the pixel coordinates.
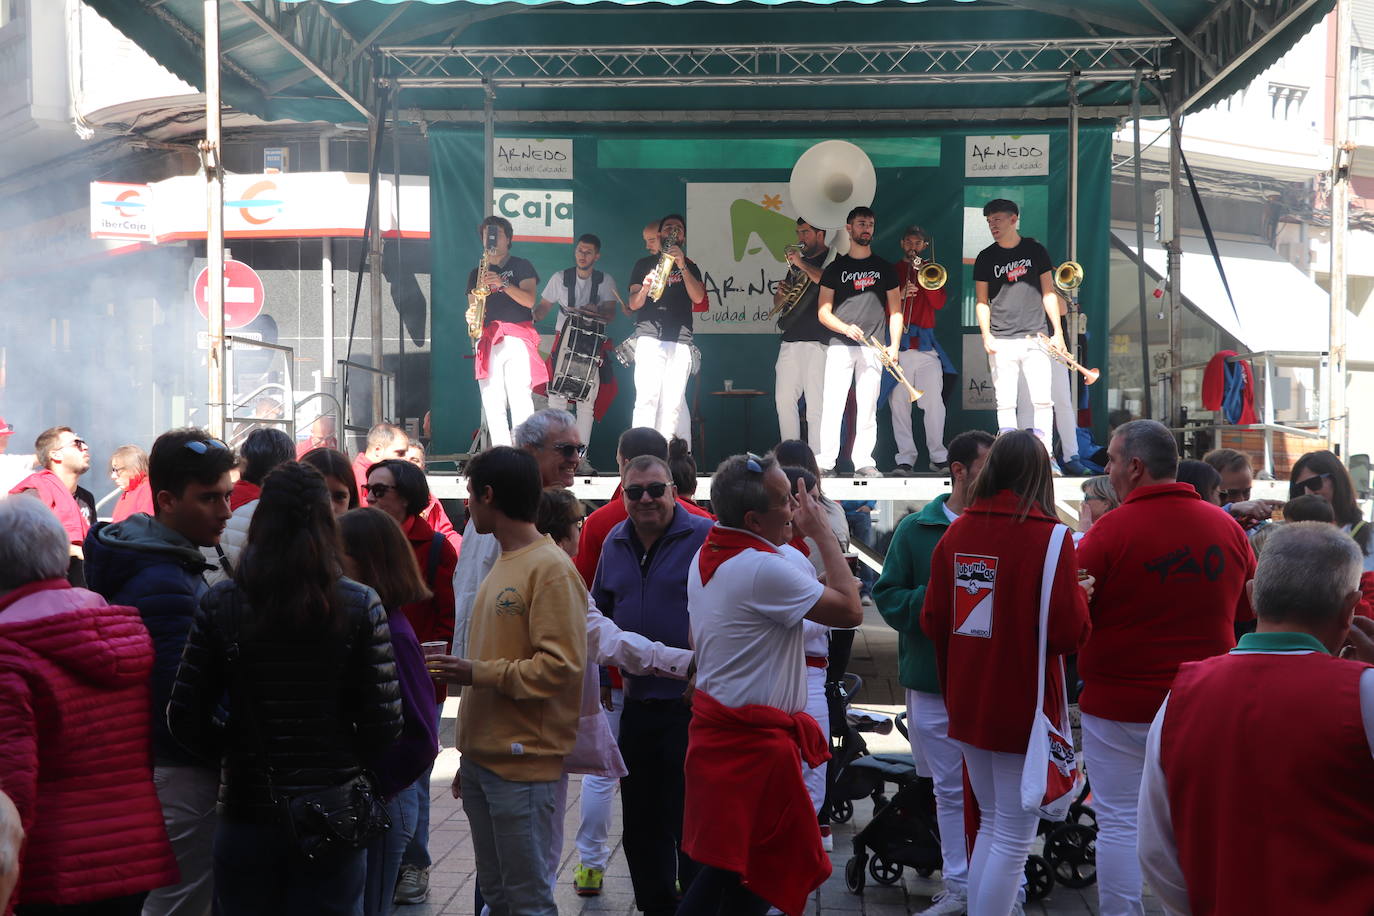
(475, 560)
(555, 291)
(746, 625)
(1155, 838)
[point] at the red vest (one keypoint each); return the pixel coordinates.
(1271, 784)
(55, 495)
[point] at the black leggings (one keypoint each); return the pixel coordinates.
(717, 892)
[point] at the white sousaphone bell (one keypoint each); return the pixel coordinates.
(830, 179)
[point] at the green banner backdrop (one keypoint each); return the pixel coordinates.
(618, 182)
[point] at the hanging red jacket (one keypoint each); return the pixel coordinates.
(1214, 387)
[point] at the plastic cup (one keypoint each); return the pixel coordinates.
(437, 647)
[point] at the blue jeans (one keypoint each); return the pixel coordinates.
(417, 852)
(384, 854)
(258, 873)
(512, 828)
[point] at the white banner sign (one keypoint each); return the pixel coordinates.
(122, 211)
(1006, 156)
(524, 158)
(536, 215)
(736, 233)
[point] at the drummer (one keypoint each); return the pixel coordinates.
(594, 296)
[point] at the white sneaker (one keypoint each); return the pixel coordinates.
(827, 839)
(946, 904)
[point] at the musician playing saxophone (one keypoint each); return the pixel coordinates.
(663, 329)
(508, 365)
(859, 298)
(801, 354)
(922, 359)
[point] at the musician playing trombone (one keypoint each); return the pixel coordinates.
(859, 297)
(921, 358)
(1013, 281)
(801, 354)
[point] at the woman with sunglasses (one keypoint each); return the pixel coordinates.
(1321, 473)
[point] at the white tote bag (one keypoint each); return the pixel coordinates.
(1052, 774)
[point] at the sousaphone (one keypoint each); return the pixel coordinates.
(830, 179)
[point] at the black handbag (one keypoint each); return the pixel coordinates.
(325, 823)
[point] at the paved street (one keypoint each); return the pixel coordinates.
(451, 880)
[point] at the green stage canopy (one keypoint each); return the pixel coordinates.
(554, 61)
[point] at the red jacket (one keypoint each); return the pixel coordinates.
(923, 304)
(59, 499)
(1171, 572)
(747, 809)
(1214, 387)
(432, 619)
(243, 493)
(599, 524)
(75, 746)
(361, 465)
(1270, 745)
(982, 612)
(137, 498)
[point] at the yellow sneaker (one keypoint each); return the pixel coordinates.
(587, 881)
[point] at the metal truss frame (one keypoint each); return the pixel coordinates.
(810, 64)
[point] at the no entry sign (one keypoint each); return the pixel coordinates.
(243, 294)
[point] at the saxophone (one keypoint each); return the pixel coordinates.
(477, 299)
(665, 267)
(797, 283)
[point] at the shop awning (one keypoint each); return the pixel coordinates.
(1279, 307)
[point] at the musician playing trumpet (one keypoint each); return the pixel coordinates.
(801, 355)
(921, 358)
(508, 365)
(859, 298)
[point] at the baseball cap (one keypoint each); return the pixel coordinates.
(5, 428)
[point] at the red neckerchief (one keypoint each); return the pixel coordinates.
(23, 591)
(243, 492)
(724, 543)
(799, 542)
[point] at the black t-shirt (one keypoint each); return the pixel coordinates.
(860, 286)
(501, 307)
(86, 503)
(1013, 279)
(670, 318)
(802, 324)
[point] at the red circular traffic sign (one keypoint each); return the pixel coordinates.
(243, 294)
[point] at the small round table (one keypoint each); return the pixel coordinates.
(746, 395)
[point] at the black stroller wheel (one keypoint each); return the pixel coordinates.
(1071, 852)
(1080, 813)
(841, 811)
(1039, 878)
(854, 874)
(883, 871)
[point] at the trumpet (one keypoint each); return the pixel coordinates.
(1062, 356)
(797, 283)
(893, 367)
(665, 267)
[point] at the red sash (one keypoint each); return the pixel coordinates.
(724, 543)
(497, 331)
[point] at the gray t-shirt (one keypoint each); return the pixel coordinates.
(860, 286)
(1013, 279)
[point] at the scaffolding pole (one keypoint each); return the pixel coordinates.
(1175, 399)
(210, 148)
(1336, 425)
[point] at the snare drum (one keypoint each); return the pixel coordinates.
(578, 358)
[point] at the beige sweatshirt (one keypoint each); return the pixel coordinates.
(528, 646)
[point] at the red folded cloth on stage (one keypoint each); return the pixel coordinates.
(1214, 387)
(747, 809)
(724, 543)
(497, 331)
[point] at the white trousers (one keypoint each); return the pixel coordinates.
(924, 371)
(1017, 357)
(661, 373)
(940, 757)
(1065, 416)
(1005, 832)
(801, 371)
(1114, 756)
(582, 411)
(507, 385)
(818, 709)
(598, 794)
(843, 363)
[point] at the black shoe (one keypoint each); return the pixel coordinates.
(939, 465)
(902, 470)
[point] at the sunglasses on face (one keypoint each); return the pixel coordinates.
(751, 463)
(379, 490)
(655, 491)
(567, 450)
(79, 444)
(1310, 485)
(200, 446)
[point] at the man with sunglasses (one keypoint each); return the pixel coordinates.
(641, 583)
(1237, 478)
(64, 457)
(1170, 573)
(154, 563)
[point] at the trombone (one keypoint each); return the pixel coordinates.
(893, 367)
(1062, 356)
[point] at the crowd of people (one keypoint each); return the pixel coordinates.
(228, 697)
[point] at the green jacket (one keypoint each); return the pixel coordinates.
(901, 590)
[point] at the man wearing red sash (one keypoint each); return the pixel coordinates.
(748, 820)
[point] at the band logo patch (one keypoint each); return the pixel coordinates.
(975, 577)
